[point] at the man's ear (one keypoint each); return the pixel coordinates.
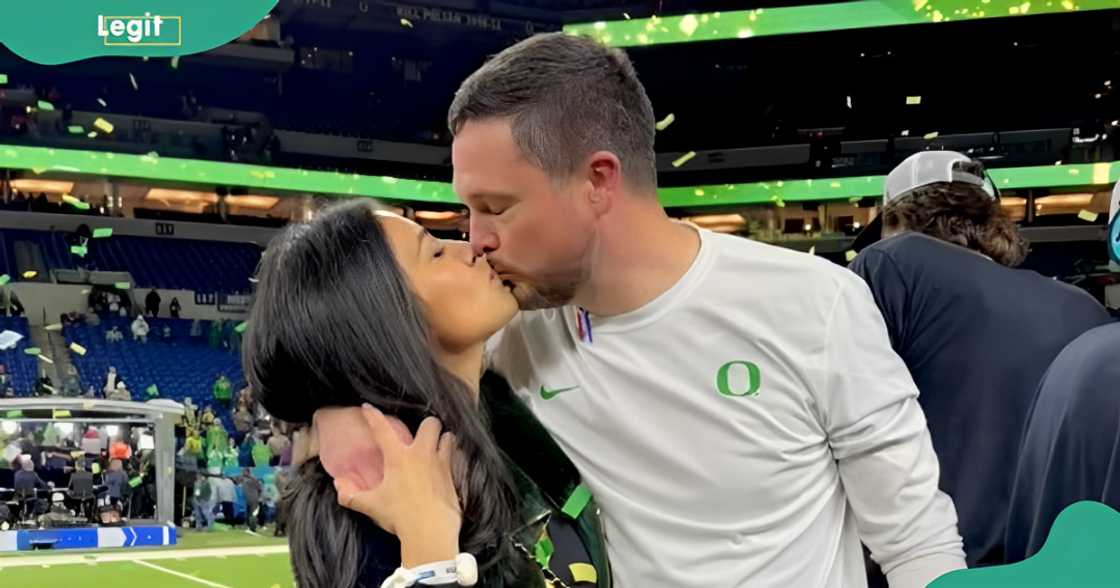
(604, 176)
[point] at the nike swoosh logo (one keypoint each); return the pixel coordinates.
(547, 394)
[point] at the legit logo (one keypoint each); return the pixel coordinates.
(140, 31)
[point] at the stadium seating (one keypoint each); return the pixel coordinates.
(181, 367)
(22, 367)
(181, 264)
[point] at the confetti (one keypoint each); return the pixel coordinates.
(76, 129)
(240, 328)
(46, 359)
(102, 103)
(44, 105)
(61, 414)
(689, 24)
(855, 199)
(92, 134)
(930, 136)
(3, 78)
(4, 279)
(103, 125)
(32, 351)
(813, 250)
(132, 79)
(913, 100)
(54, 327)
(1088, 216)
(122, 285)
(583, 573)
(849, 255)
(77, 349)
(152, 390)
(684, 159)
(79, 250)
(29, 274)
(14, 414)
(665, 122)
(849, 101)
(175, 62)
(102, 233)
(406, 23)
(75, 202)
(905, 133)
(626, 15)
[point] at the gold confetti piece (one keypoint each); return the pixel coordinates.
(930, 136)
(813, 250)
(44, 105)
(61, 414)
(684, 159)
(849, 255)
(132, 79)
(29, 274)
(406, 23)
(102, 233)
(45, 358)
(1087, 216)
(913, 100)
(76, 129)
(75, 202)
(175, 62)
(77, 349)
(103, 125)
(665, 122)
(583, 573)
(54, 327)
(102, 102)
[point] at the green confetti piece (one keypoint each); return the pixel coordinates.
(75, 202)
(576, 502)
(122, 285)
(4, 279)
(14, 414)
(240, 328)
(543, 551)
(76, 129)
(134, 482)
(152, 390)
(849, 255)
(3, 78)
(32, 350)
(665, 122)
(79, 250)
(930, 136)
(44, 105)
(102, 233)
(855, 199)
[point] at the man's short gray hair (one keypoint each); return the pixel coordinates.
(567, 97)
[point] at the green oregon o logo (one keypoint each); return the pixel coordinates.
(723, 379)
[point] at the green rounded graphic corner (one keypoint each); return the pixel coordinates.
(54, 32)
(1081, 550)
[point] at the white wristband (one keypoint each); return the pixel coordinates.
(463, 571)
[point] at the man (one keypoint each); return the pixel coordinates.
(151, 303)
(734, 407)
(140, 329)
(1070, 450)
(26, 483)
(222, 391)
(81, 488)
(203, 504)
(251, 488)
(975, 333)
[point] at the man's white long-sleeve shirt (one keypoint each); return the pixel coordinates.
(748, 427)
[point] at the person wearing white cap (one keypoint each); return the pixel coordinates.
(1070, 448)
(976, 334)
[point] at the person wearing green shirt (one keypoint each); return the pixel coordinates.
(230, 457)
(261, 453)
(216, 438)
(223, 391)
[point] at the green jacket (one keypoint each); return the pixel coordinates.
(544, 475)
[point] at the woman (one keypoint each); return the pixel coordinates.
(361, 307)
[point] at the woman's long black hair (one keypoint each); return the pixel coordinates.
(335, 323)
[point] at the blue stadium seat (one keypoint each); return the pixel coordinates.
(22, 367)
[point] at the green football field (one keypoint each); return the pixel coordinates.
(219, 559)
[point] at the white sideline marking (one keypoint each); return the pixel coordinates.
(180, 574)
(11, 562)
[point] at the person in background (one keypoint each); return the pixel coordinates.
(282, 480)
(115, 480)
(27, 482)
(242, 421)
(140, 329)
(222, 391)
(121, 392)
(207, 418)
(277, 444)
(190, 413)
(226, 494)
(44, 386)
(1070, 449)
(192, 444)
(245, 452)
(9, 392)
(262, 455)
(968, 326)
(203, 504)
(110, 381)
(114, 335)
(216, 333)
(120, 450)
(251, 488)
(174, 308)
(81, 487)
(5, 377)
(231, 456)
(151, 303)
(270, 496)
(70, 385)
